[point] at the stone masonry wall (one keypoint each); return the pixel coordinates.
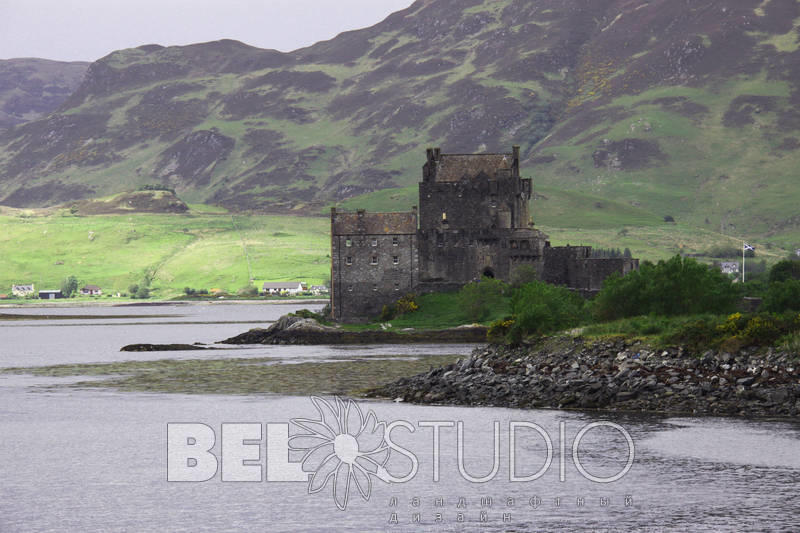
(374, 261)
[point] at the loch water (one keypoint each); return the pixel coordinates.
(95, 459)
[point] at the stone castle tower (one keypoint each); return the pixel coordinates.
(473, 221)
(474, 218)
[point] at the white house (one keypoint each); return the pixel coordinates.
(278, 287)
(22, 290)
(729, 267)
(91, 290)
(319, 289)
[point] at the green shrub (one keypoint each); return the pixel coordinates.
(406, 304)
(696, 334)
(248, 290)
(790, 343)
(387, 313)
(69, 286)
(734, 332)
(540, 308)
(762, 330)
(784, 270)
(524, 274)
(499, 330)
(478, 298)
(679, 286)
(782, 296)
(143, 293)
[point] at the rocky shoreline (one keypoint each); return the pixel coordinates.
(629, 375)
(298, 330)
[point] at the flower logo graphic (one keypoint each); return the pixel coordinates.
(343, 446)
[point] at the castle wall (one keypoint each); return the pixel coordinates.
(465, 256)
(573, 266)
(373, 261)
(562, 264)
(593, 271)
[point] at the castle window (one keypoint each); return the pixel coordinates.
(374, 260)
(348, 260)
(395, 260)
(349, 288)
(397, 286)
(440, 240)
(348, 242)
(374, 287)
(374, 242)
(395, 241)
(444, 216)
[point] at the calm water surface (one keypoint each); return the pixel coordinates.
(88, 460)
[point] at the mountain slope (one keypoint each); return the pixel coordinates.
(703, 128)
(30, 88)
(681, 109)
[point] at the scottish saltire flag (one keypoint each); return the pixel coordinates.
(747, 247)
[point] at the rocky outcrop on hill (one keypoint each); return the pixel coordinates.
(298, 330)
(615, 374)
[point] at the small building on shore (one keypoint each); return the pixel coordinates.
(50, 294)
(280, 287)
(91, 290)
(22, 291)
(316, 290)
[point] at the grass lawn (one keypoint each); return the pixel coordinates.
(202, 250)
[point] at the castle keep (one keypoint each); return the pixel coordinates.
(473, 221)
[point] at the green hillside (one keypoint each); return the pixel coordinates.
(201, 251)
(645, 109)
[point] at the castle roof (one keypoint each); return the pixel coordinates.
(374, 223)
(453, 167)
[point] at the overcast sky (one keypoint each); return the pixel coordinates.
(85, 30)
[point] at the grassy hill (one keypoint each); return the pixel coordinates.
(648, 109)
(200, 250)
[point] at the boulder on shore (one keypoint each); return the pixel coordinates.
(162, 347)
